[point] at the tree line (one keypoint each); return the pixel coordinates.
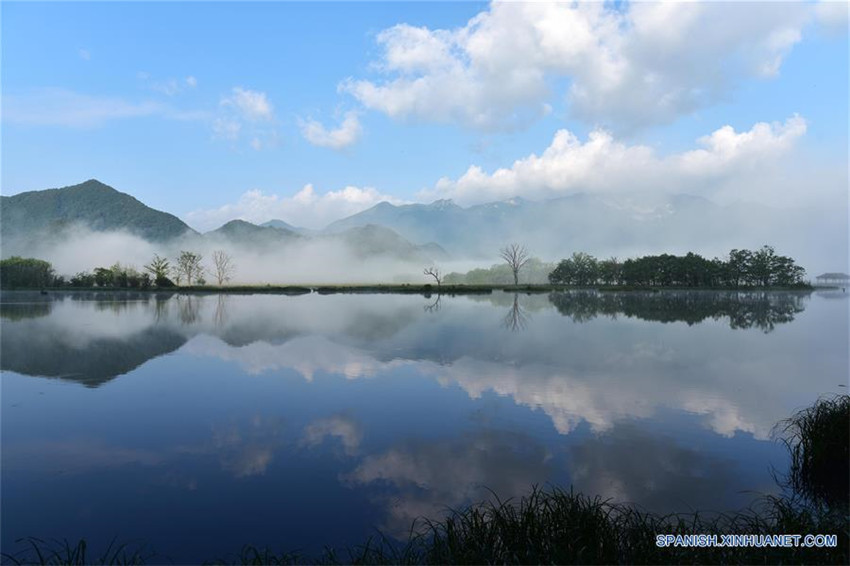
(188, 268)
(742, 268)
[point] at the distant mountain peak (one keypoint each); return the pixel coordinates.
(442, 204)
(91, 204)
(94, 182)
(281, 224)
(238, 222)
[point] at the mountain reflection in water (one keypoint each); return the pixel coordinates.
(303, 421)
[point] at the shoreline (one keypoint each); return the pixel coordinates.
(410, 289)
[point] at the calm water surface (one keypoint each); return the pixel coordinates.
(200, 423)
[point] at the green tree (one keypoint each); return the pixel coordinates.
(610, 271)
(739, 267)
(26, 272)
(82, 279)
(102, 277)
(586, 268)
(563, 274)
(160, 267)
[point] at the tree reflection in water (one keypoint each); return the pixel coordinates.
(517, 317)
(435, 306)
(189, 309)
(762, 309)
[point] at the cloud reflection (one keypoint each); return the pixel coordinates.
(342, 427)
(427, 477)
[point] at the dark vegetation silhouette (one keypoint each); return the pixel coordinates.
(742, 268)
(744, 309)
(26, 272)
(818, 439)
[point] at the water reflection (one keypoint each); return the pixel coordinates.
(433, 306)
(517, 317)
(429, 476)
(762, 310)
(633, 465)
(391, 411)
(85, 342)
(344, 428)
(21, 311)
(572, 370)
(247, 449)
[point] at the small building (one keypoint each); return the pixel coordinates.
(841, 279)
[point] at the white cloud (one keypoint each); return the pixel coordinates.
(833, 17)
(604, 164)
(306, 208)
(632, 66)
(345, 135)
(169, 87)
(61, 107)
(227, 129)
(246, 112)
(251, 105)
(84, 54)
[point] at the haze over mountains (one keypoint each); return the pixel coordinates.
(409, 236)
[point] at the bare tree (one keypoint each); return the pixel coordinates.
(435, 273)
(516, 256)
(224, 267)
(189, 266)
(176, 274)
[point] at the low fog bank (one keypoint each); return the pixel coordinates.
(817, 238)
(300, 262)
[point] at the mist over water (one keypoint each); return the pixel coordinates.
(300, 262)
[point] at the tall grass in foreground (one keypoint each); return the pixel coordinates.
(818, 439)
(549, 526)
(556, 526)
(56, 553)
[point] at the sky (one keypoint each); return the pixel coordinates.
(311, 112)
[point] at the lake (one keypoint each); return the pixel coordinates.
(199, 423)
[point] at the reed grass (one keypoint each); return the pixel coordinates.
(818, 439)
(548, 526)
(63, 553)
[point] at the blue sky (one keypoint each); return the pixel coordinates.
(308, 112)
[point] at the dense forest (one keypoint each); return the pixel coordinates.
(742, 268)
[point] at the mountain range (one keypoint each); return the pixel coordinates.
(551, 229)
(46, 216)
